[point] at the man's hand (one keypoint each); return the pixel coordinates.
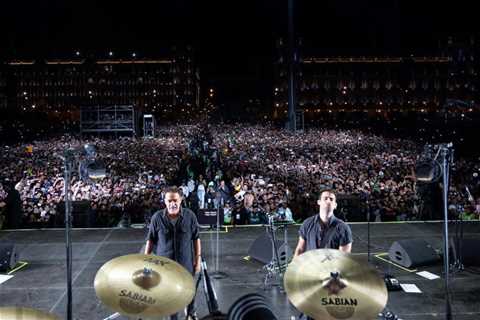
(197, 264)
(301, 245)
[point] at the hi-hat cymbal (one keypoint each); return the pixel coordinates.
(144, 285)
(329, 284)
(19, 313)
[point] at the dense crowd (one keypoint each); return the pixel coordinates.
(284, 170)
(138, 171)
(265, 170)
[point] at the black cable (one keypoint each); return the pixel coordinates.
(371, 245)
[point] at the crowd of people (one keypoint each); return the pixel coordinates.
(251, 172)
(138, 171)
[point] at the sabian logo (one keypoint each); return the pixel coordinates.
(138, 297)
(339, 302)
(158, 262)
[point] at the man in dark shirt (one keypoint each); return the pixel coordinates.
(324, 230)
(175, 233)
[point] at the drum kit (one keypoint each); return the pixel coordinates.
(329, 284)
(323, 284)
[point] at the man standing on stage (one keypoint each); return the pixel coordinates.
(324, 230)
(175, 233)
(13, 207)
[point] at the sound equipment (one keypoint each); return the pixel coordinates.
(468, 252)
(209, 216)
(412, 253)
(262, 251)
(8, 257)
(81, 215)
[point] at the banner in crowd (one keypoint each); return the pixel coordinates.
(209, 216)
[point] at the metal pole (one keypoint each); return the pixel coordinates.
(285, 241)
(291, 70)
(217, 274)
(446, 267)
(368, 231)
(68, 224)
(217, 240)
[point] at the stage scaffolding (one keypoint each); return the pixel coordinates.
(107, 120)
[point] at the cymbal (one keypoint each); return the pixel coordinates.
(144, 285)
(20, 313)
(329, 284)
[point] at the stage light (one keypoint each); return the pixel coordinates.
(428, 168)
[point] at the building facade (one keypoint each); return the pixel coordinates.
(379, 84)
(163, 86)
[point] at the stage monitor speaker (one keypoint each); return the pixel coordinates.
(469, 256)
(412, 253)
(261, 250)
(8, 257)
(81, 215)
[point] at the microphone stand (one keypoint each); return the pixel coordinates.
(273, 238)
(210, 295)
(447, 160)
(217, 274)
(368, 228)
(68, 159)
(274, 267)
(458, 239)
(457, 242)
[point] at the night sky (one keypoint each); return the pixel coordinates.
(234, 39)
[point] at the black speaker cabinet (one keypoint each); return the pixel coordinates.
(261, 250)
(412, 253)
(81, 215)
(8, 257)
(468, 252)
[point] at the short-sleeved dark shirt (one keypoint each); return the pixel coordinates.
(317, 236)
(175, 241)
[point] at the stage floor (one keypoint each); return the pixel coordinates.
(42, 285)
